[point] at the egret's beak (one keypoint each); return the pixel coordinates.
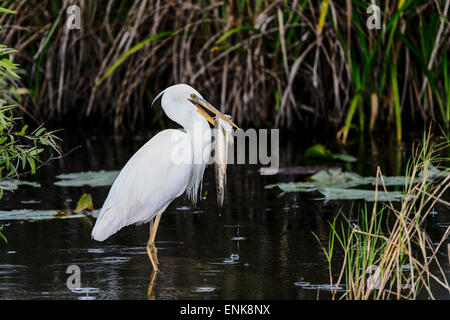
(202, 104)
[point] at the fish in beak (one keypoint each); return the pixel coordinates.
(203, 105)
(222, 141)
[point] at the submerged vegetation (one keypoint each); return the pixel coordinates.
(268, 63)
(387, 253)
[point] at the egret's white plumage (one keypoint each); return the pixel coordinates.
(136, 196)
(158, 172)
(171, 163)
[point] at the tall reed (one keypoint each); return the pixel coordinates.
(268, 63)
(387, 253)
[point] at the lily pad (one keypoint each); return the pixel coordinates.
(13, 184)
(84, 208)
(343, 157)
(337, 185)
(335, 178)
(297, 170)
(89, 178)
(33, 215)
(359, 194)
(322, 179)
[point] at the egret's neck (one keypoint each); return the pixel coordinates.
(196, 125)
(201, 136)
(186, 115)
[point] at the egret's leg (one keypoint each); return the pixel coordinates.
(153, 236)
(155, 228)
(150, 292)
(151, 249)
(151, 252)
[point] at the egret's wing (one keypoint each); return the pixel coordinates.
(156, 174)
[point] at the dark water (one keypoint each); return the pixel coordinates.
(260, 247)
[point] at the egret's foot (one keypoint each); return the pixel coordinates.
(152, 254)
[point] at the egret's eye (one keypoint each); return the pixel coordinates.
(193, 96)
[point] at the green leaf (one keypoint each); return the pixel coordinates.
(129, 52)
(32, 164)
(8, 64)
(233, 31)
(22, 132)
(4, 10)
(39, 132)
(35, 152)
(2, 236)
(85, 203)
(24, 161)
(318, 151)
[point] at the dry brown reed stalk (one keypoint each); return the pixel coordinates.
(268, 63)
(404, 257)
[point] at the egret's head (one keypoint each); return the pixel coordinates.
(180, 100)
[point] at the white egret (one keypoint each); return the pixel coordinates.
(155, 176)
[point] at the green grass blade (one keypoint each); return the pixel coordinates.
(131, 51)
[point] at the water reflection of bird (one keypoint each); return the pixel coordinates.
(168, 165)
